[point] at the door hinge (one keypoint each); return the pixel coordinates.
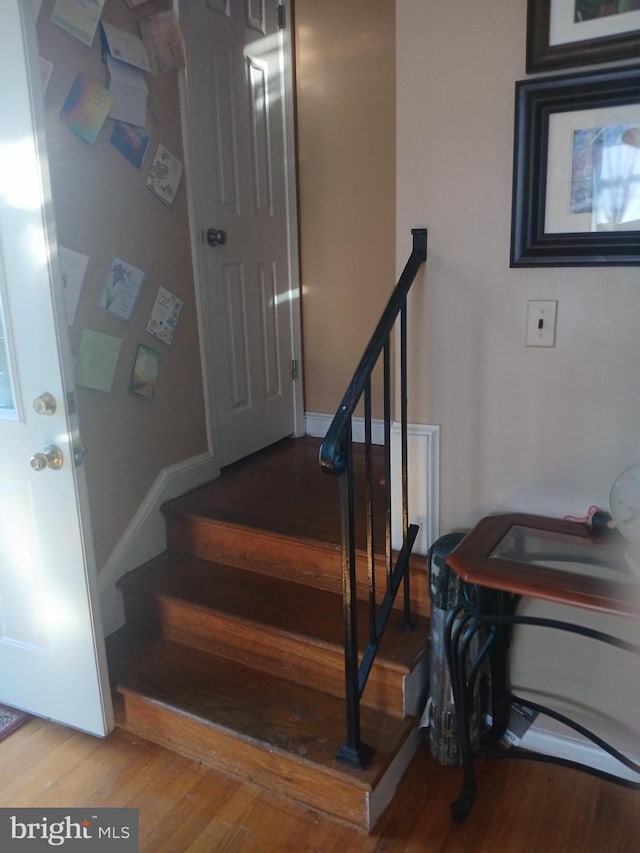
(294, 369)
(282, 21)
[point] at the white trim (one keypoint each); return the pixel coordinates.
(423, 482)
(295, 313)
(423, 475)
(378, 799)
(574, 748)
(146, 535)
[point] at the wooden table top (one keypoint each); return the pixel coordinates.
(550, 559)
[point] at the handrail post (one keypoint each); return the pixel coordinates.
(336, 457)
(353, 752)
(404, 457)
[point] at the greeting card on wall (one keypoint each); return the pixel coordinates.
(97, 359)
(125, 47)
(163, 41)
(86, 108)
(131, 141)
(78, 17)
(121, 289)
(144, 377)
(73, 266)
(164, 175)
(129, 90)
(164, 316)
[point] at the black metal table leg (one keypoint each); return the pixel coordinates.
(460, 630)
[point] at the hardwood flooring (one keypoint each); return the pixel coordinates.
(522, 807)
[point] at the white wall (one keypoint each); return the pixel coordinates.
(540, 430)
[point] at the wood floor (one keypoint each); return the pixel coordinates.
(183, 806)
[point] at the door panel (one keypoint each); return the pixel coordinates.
(250, 294)
(52, 658)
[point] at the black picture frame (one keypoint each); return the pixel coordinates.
(548, 226)
(543, 56)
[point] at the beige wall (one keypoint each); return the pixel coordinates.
(104, 210)
(543, 430)
(537, 429)
(346, 147)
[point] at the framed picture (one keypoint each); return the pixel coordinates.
(568, 33)
(576, 170)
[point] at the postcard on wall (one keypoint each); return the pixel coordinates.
(80, 18)
(144, 377)
(164, 316)
(125, 46)
(129, 91)
(163, 41)
(131, 141)
(97, 360)
(73, 266)
(164, 175)
(86, 108)
(121, 289)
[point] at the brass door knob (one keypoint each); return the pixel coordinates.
(50, 457)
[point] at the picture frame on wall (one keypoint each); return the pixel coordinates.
(576, 170)
(570, 33)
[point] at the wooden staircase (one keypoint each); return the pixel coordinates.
(238, 657)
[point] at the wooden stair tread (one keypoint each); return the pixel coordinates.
(244, 495)
(269, 712)
(281, 606)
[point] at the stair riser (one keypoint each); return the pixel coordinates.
(316, 564)
(319, 666)
(314, 786)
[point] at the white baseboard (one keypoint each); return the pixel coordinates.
(575, 748)
(146, 535)
(423, 475)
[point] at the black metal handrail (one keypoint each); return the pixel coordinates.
(336, 457)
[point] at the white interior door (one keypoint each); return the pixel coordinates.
(52, 660)
(241, 176)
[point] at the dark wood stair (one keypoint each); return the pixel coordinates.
(239, 660)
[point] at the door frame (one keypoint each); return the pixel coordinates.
(199, 249)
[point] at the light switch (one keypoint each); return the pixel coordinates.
(541, 322)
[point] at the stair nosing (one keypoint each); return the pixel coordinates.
(366, 778)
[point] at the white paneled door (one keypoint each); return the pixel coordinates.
(52, 660)
(241, 174)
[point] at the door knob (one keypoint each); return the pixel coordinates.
(50, 457)
(45, 404)
(216, 237)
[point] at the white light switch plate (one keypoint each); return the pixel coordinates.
(541, 322)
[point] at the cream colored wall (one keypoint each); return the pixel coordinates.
(536, 429)
(543, 430)
(104, 210)
(346, 151)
